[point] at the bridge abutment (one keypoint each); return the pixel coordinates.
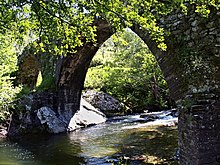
(191, 66)
(199, 129)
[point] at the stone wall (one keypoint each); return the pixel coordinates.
(191, 66)
(199, 130)
(31, 62)
(196, 40)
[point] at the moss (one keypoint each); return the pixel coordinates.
(47, 83)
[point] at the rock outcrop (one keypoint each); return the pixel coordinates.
(32, 116)
(48, 117)
(3, 132)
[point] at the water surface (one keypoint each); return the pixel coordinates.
(126, 139)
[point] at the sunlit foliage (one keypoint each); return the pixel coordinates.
(125, 68)
(8, 65)
(62, 25)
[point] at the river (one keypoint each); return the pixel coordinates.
(130, 139)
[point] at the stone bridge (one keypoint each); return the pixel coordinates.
(191, 66)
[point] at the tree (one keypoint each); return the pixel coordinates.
(8, 65)
(63, 25)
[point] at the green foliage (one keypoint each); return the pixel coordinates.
(47, 83)
(8, 61)
(24, 90)
(61, 26)
(129, 72)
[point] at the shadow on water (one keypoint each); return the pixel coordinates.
(42, 150)
(116, 142)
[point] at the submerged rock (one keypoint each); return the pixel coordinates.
(86, 116)
(104, 102)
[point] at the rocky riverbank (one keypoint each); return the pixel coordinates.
(37, 114)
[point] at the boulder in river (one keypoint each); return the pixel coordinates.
(104, 102)
(48, 117)
(86, 116)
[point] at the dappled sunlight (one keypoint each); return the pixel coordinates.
(154, 144)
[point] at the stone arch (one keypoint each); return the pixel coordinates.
(72, 69)
(191, 67)
(31, 63)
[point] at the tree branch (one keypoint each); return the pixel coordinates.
(117, 14)
(54, 15)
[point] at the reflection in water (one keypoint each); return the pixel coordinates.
(121, 138)
(41, 150)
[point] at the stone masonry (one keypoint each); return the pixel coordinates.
(191, 66)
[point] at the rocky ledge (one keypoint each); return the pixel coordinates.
(86, 116)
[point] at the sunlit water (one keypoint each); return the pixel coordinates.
(127, 139)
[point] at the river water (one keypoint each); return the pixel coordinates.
(121, 140)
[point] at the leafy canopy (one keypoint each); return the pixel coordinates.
(63, 25)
